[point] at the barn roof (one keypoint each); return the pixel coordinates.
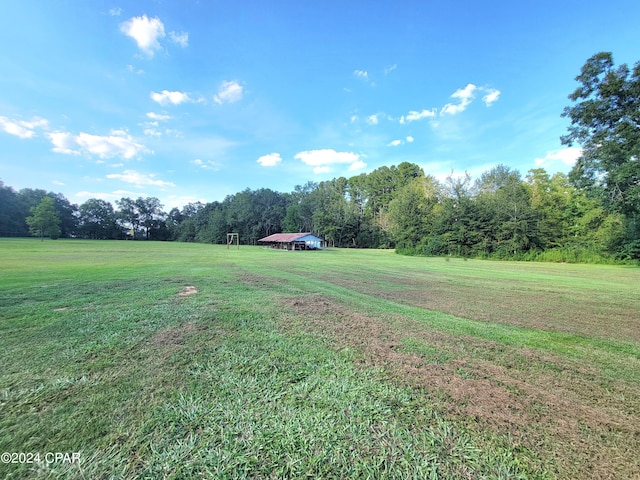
(285, 237)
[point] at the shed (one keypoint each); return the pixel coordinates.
(294, 241)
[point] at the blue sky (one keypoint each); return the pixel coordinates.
(195, 100)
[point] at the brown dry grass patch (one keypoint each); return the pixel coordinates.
(529, 306)
(175, 336)
(583, 426)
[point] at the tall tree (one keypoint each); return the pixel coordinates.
(150, 214)
(127, 215)
(605, 121)
(44, 219)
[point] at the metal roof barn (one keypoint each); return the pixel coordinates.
(294, 241)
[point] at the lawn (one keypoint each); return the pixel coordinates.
(173, 360)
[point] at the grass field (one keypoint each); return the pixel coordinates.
(173, 360)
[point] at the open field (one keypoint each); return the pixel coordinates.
(173, 360)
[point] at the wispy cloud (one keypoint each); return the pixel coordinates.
(415, 115)
(323, 159)
(138, 179)
(361, 74)
(181, 38)
(117, 144)
(390, 69)
(22, 128)
(464, 96)
(146, 32)
(137, 71)
(228, 92)
(491, 96)
(206, 165)
(115, 12)
(165, 97)
(270, 160)
(373, 119)
(158, 116)
(397, 143)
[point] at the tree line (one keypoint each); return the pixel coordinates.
(499, 215)
(592, 214)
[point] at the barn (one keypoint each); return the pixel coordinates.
(293, 241)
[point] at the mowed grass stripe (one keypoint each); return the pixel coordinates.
(619, 359)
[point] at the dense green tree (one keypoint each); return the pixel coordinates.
(44, 219)
(550, 198)
(68, 213)
(505, 202)
(334, 217)
(11, 214)
(97, 220)
(127, 215)
(150, 215)
(410, 211)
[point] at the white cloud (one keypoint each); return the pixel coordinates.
(491, 97)
(181, 38)
(206, 165)
(139, 179)
(323, 159)
(357, 165)
(566, 156)
(270, 160)
(397, 143)
(58, 182)
(64, 142)
(132, 69)
(145, 31)
(115, 12)
(158, 116)
(373, 119)
(414, 115)
(118, 144)
(362, 74)
(165, 97)
(229, 92)
(21, 128)
(464, 95)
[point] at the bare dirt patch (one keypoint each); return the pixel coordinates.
(550, 405)
(188, 290)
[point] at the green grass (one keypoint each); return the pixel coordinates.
(308, 364)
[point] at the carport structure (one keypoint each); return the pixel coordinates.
(293, 241)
